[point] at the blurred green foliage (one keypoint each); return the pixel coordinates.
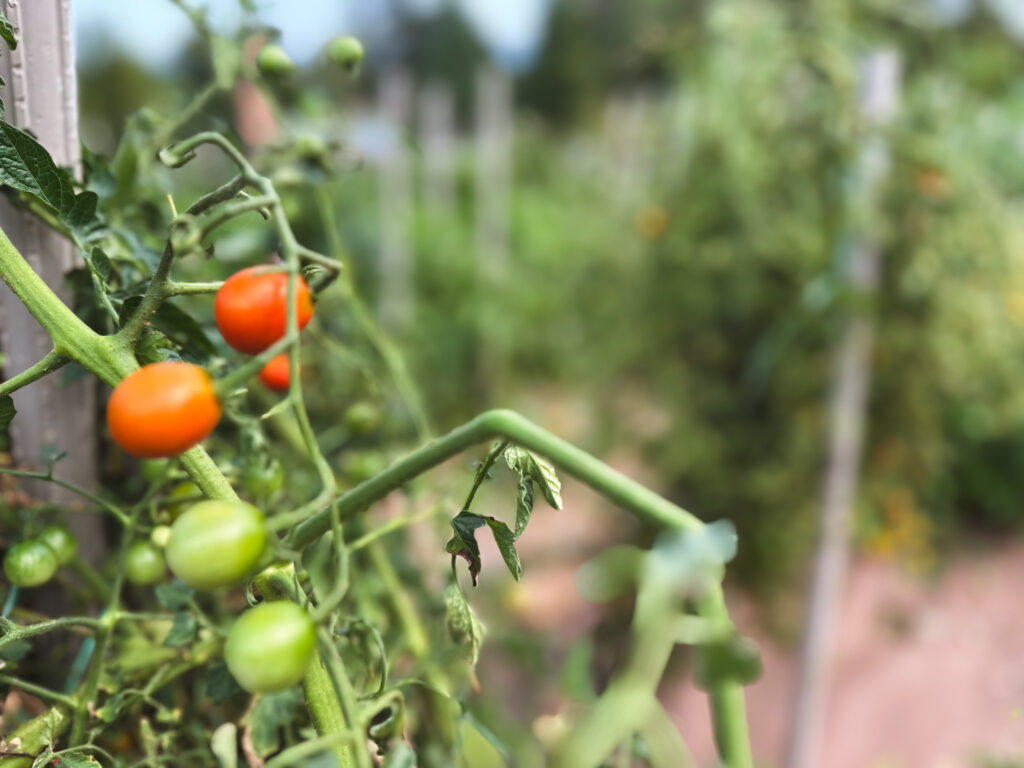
(681, 277)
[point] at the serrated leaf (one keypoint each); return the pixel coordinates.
(464, 628)
(524, 503)
(7, 32)
(506, 542)
(272, 712)
(153, 347)
(221, 684)
(7, 411)
(183, 630)
(26, 166)
(224, 745)
(174, 596)
(463, 543)
(99, 263)
(539, 469)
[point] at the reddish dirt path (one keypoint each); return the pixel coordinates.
(925, 675)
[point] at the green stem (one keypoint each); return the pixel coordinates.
(48, 477)
(728, 706)
(36, 690)
(325, 709)
(50, 363)
(192, 289)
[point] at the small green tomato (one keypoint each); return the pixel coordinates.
(144, 563)
(270, 646)
(273, 61)
(30, 563)
(61, 541)
(347, 52)
(216, 543)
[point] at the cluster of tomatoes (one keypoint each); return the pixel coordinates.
(165, 408)
(162, 410)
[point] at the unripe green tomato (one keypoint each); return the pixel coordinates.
(160, 535)
(359, 467)
(310, 147)
(362, 418)
(144, 563)
(61, 541)
(216, 543)
(262, 480)
(153, 469)
(274, 61)
(270, 646)
(346, 51)
(30, 563)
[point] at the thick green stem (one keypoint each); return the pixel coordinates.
(728, 706)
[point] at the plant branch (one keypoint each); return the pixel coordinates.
(51, 362)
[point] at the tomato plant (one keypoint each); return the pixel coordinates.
(163, 409)
(251, 308)
(383, 646)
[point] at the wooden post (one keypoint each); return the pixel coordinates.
(436, 107)
(41, 96)
(848, 405)
(395, 304)
(493, 171)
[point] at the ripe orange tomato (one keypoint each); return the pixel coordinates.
(163, 409)
(251, 308)
(276, 373)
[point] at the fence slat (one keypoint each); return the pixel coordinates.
(41, 96)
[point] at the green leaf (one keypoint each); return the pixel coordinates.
(524, 503)
(111, 708)
(224, 745)
(73, 759)
(174, 596)
(506, 542)
(7, 411)
(7, 31)
(321, 563)
(463, 543)
(272, 712)
(464, 628)
(99, 263)
(539, 469)
(174, 323)
(182, 630)
(26, 166)
(221, 684)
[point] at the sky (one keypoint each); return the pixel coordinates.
(154, 31)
